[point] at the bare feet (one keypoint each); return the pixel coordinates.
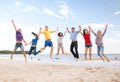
(51, 57)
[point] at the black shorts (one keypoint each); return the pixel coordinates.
(88, 45)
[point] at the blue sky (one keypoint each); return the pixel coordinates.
(32, 14)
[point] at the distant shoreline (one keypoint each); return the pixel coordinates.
(19, 52)
(9, 52)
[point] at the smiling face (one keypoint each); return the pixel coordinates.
(86, 31)
(19, 30)
(99, 32)
(46, 27)
(72, 29)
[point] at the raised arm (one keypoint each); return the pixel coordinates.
(67, 29)
(65, 32)
(55, 30)
(39, 31)
(93, 32)
(106, 26)
(14, 25)
(89, 29)
(80, 29)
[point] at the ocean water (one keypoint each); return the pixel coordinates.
(61, 56)
(69, 60)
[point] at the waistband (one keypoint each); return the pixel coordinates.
(74, 40)
(48, 40)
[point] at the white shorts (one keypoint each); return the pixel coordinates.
(60, 46)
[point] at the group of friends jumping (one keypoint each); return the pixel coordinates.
(73, 46)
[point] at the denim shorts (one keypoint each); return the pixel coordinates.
(48, 43)
(88, 45)
(17, 45)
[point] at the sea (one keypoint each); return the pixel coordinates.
(68, 59)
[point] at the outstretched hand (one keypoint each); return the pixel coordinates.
(40, 28)
(80, 27)
(14, 24)
(89, 28)
(106, 25)
(26, 44)
(67, 28)
(12, 21)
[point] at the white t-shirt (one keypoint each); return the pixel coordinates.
(60, 39)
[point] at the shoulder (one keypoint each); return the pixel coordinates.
(43, 31)
(49, 30)
(77, 31)
(18, 32)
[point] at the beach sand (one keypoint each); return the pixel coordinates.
(19, 71)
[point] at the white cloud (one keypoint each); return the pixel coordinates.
(65, 10)
(30, 8)
(52, 13)
(117, 13)
(95, 25)
(18, 3)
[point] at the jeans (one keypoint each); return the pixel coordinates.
(100, 49)
(74, 45)
(34, 51)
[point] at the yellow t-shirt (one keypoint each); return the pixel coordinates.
(47, 34)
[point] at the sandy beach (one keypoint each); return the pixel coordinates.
(19, 71)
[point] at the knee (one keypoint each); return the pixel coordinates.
(23, 52)
(34, 53)
(103, 55)
(29, 53)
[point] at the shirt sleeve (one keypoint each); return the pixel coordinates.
(77, 31)
(50, 31)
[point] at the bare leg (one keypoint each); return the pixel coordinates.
(42, 48)
(24, 54)
(62, 50)
(90, 52)
(51, 52)
(102, 58)
(13, 52)
(106, 58)
(86, 49)
(58, 50)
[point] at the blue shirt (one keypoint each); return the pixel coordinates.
(34, 41)
(73, 35)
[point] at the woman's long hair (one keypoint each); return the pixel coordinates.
(60, 33)
(34, 34)
(84, 31)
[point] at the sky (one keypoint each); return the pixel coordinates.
(30, 15)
